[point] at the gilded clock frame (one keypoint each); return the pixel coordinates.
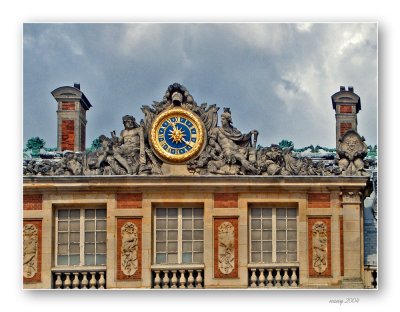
(177, 158)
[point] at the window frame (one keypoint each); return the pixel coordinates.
(82, 232)
(274, 234)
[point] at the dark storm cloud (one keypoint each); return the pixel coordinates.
(277, 78)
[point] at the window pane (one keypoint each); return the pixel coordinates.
(161, 247)
(281, 257)
(267, 224)
(89, 213)
(255, 224)
(198, 246)
(255, 246)
(186, 235)
(74, 249)
(291, 213)
(255, 235)
(74, 226)
(89, 226)
(187, 224)
(267, 257)
(101, 236)
(281, 224)
(63, 214)
(281, 213)
(161, 224)
(62, 260)
(172, 247)
(198, 235)
(161, 258)
(74, 260)
(198, 212)
(161, 212)
(89, 237)
(63, 238)
(63, 226)
(292, 246)
(267, 246)
(160, 236)
(63, 249)
(101, 225)
(100, 259)
(256, 212)
(187, 257)
(187, 212)
(266, 235)
(280, 246)
(172, 224)
(281, 235)
(172, 212)
(172, 235)
(291, 224)
(173, 258)
(292, 235)
(75, 214)
(255, 257)
(292, 256)
(267, 213)
(186, 246)
(89, 260)
(198, 257)
(89, 248)
(74, 237)
(198, 224)
(101, 213)
(101, 248)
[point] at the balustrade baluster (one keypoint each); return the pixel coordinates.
(165, 279)
(92, 282)
(278, 278)
(157, 280)
(102, 281)
(253, 278)
(174, 279)
(294, 278)
(85, 281)
(190, 279)
(67, 282)
(285, 278)
(75, 281)
(270, 278)
(199, 279)
(261, 279)
(182, 280)
(58, 282)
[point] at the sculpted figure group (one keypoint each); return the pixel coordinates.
(227, 150)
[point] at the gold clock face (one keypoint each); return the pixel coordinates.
(177, 135)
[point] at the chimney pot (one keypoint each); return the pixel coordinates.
(77, 85)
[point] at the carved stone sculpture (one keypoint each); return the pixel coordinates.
(226, 246)
(351, 151)
(129, 248)
(30, 253)
(319, 247)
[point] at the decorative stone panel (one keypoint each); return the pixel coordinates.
(226, 247)
(67, 134)
(129, 248)
(32, 250)
(225, 200)
(129, 200)
(32, 201)
(319, 247)
(319, 200)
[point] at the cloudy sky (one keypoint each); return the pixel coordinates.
(277, 78)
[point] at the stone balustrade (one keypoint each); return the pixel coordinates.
(82, 278)
(370, 277)
(178, 276)
(273, 276)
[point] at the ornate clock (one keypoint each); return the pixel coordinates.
(177, 135)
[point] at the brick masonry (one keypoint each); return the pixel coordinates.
(68, 106)
(328, 270)
(67, 134)
(32, 201)
(38, 276)
(120, 273)
(345, 126)
(225, 200)
(319, 200)
(235, 271)
(129, 200)
(345, 109)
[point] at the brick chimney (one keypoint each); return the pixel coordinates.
(346, 104)
(71, 118)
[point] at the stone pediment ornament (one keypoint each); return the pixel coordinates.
(352, 151)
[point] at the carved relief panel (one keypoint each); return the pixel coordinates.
(32, 232)
(319, 241)
(129, 248)
(225, 247)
